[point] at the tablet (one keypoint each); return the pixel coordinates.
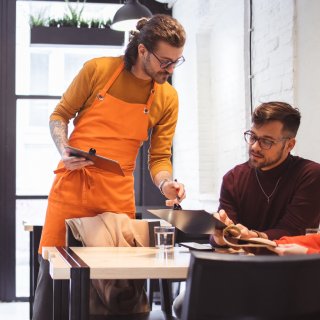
(197, 246)
(190, 221)
(99, 161)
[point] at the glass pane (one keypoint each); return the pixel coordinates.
(30, 212)
(39, 64)
(37, 156)
(48, 69)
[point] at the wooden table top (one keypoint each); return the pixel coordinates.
(123, 262)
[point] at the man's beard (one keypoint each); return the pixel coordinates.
(159, 77)
(265, 162)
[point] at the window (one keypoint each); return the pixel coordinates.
(43, 72)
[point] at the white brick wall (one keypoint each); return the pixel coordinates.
(214, 89)
(273, 50)
(211, 86)
(307, 77)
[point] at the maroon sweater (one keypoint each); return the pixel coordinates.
(293, 207)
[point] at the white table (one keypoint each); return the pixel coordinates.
(80, 264)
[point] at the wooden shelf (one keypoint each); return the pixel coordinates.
(76, 36)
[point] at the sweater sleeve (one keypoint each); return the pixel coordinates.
(312, 242)
(162, 137)
(227, 199)
(303, 210)
(77, 94)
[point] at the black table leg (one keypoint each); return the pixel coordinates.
(79, 294)
(79, 285)
(85, 293)
(165, 293)
(57, 293)
(31, 267)
(34, 238)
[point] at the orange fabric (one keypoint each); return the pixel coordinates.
(311, 241)
(116, 129)
(82, 92)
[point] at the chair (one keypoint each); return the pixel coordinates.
(252, 287)
(153, 315)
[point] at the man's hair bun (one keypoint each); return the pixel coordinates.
(141, 23)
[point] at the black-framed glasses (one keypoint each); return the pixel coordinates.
(164, 64)
(264, 143)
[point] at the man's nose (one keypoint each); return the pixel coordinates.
(256, 145)
(170, 68)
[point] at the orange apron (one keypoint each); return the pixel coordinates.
(116, 129)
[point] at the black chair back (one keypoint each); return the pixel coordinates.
(252, 287)
(71, 241)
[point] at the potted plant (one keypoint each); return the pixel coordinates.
(73, 29)
(38, 20)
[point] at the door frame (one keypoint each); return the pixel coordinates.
(8, 148)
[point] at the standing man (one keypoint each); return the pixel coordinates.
(115, 101)
(274, 194)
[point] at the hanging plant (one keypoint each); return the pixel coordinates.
(84, 24)
(38, 20)
(96, 23)
(53, 23)
(72, 18)
(73, 29)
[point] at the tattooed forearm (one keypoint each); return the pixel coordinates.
(59, 134)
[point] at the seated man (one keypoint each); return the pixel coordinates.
(274, 194)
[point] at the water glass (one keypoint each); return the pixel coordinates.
(164, 237)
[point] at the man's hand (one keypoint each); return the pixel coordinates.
(59, 133)
(223, 217)
(217, 235)
(174, 191)
(245, 233)
(74, 163)
(171, 189)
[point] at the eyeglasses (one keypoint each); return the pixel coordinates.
(165, 64)
(264, 143)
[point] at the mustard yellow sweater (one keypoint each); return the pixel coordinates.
(162, 117)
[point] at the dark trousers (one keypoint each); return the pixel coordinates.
(43, 299)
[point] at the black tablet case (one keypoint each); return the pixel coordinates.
(190, 221)
(99, 161)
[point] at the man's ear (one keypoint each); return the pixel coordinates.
(291, 144)
(142, 50)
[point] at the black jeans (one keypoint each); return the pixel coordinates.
(43, 299)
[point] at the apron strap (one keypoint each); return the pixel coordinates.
(151, 96)
(103, 92)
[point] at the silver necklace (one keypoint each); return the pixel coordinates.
(273, 191)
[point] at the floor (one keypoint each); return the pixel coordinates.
(20, 310)
(14, 311)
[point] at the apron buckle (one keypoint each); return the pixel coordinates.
(100, 97)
